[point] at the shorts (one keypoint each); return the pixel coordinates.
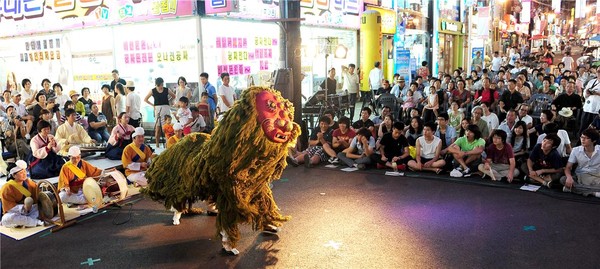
(424, 160)
(161, 111)
(317, 150)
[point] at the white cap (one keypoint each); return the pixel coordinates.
(177, 127)
(21, 165)
(138, 131)
(74, 151)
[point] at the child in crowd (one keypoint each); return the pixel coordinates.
(204, 110)
(184, 115)
(168, 127)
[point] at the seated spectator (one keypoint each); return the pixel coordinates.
(490, 117)
(71, 133)
(178, 129)
(120, 137)
(14, 133)
(47, 116)
(587, 175)
(197, 124)
(333, 125)
(44, 160)
(19, 199)
(137, 158)
(21, 112)
(519, 141)
(478, 120)
(445, 132)
(500, 159)
(41, 104)
(78, 118)
(97, 125)
(544, 164)
(455, 116)
(168, 126)
(364, 121)
(385, 127)
(386, 110)
(319, 138)
(79, 106)
(358, 154)
(564, 147)
(510, 123)
(393, 149)
(466, 152)
(428, 149)
(342, 137)
(414, 131)
(72, 175)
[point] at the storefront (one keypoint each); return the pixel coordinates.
(448, 36)
(412, 34)
(329, 40)
(131, 39)
(388, 30)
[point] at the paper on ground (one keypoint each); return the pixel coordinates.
(527, 187)
(349, 169)
(331, 166)
(395, 174)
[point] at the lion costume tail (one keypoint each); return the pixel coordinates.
(166, 173)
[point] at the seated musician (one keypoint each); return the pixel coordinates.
(177, 136)
(44, 160)
(71, 132)
(120, 137)
(136, 158)
(19, 199)
(72, 175)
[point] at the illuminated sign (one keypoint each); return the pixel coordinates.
(337, 13)
(20, 17)
(220, 6)
(388, 20)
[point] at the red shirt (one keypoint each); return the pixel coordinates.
(486, 96)
(347, 136)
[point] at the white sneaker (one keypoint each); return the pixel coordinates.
(456, 173)
(597, 194)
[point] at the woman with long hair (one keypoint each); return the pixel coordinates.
(415, 130)
(120, 137)
(120, 97)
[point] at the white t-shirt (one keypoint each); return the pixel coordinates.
(492, 121)
(134, 102)
(375, 77)
(228, 93)
(61, 100)
(592, 102)
(428, 149)
(20, 109)
(351, 82)
(527, 119)
(568, 61)
(564, 137)
(496, 64)
(184, 115)
(198, 124)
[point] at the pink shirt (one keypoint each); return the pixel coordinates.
(38, 146)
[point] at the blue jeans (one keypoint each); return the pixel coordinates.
(100, 135)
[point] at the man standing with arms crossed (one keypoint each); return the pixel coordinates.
(351, 86)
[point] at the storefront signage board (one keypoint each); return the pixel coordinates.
(388, 20)
(336, 13)
(403, 64)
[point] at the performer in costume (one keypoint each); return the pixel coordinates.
(19, 199)
(247, 151)
(44, 160)
(72, 175)
(120, 137)
(136, 158)
(177, 136)
(71, 132)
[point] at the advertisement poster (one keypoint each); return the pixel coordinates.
(474, 54)
(403, 64)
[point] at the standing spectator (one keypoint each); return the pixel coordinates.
(116, 80)
(212, 99)
(86, 100)
(330, 83)
(108, 105)
(375, 82)
(182, 89)
(591, 105)
(132, 105)
(226, 93)
(587, 158)
(351, 85)
(500, 160)
(161, 96)
(496, 63)
(120, 99)
(428, 148)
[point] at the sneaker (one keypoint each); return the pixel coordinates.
(361, 166)
(548, 184)
(336, 160)
(307, 161)
(466, 172)
(456, 173)
(565, 189)
(597, 194)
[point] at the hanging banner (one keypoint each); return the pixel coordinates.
(403, 64)
(483, 23)
(526, 12)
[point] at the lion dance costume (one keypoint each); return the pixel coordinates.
(233, 167)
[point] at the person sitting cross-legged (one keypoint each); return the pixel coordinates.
(320, 138)
(72, 175)
(466, 152)
(19, 199)
(544, 164)
(358, 154)
(500, 159)
(393, 149)
(428, 149)
(342, 137)
(587, 157)
(136, 158)
(71, 133)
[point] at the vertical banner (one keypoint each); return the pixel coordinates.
(555, 6)
(526, 12)
(483, 24)
(403, 64)
(474, 54)
(580, 8)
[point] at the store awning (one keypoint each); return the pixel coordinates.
(595, 38)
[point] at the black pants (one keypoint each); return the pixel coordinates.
(352, 104)
(134, 123)
(586, 120)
